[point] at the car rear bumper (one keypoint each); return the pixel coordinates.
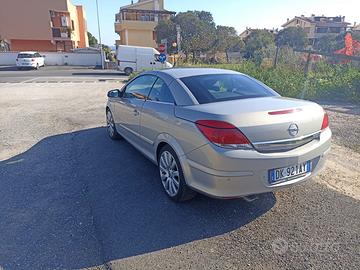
(26, 65)
(249, 172)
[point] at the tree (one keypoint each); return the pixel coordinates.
(198, 32)
(4, 46)
(206, 17)
(92, 40)
(109, 55)
(330, 43)
(259, 44)
(166, 29)
(294, 37)
(227, 39)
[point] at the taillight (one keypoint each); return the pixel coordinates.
(223, 134)
(325, 122)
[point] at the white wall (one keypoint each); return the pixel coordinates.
(57, 59)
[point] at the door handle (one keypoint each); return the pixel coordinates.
(136, 112)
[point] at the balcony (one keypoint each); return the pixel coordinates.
(61, 33)
(143, 15)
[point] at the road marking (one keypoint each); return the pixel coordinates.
(30, 80)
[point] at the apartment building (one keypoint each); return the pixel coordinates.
(318, 26)
(43, 25)
(135, 23)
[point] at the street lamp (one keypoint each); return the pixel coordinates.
(101, 49)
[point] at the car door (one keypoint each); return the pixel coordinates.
(37, 59)
(128, 107)
(41, 60)
(157, 114)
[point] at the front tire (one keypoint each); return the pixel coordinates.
(37, 66)
(111, 128)
(172, 176)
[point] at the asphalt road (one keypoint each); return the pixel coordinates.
(71, 198)
(53, 74)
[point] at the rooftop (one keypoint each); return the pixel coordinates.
(338, 20)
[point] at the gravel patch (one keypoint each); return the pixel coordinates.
(345, 124)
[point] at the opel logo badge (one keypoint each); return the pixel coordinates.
(293, 130)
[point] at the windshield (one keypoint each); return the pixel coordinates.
(26, 55)
(222, 87)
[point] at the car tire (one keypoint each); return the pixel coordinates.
(128, 71)
(37, 66)
(111, 128)
(172, 176)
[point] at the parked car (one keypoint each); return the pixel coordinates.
(219, 132)
(30, 60)
(133, 58)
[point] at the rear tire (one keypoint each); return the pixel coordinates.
(111, 128)
(172, 176)
(128, 71)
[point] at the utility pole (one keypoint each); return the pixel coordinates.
(101, 49)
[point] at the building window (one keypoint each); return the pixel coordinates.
(335, 29)
(321, 30)
(72, 25)
(56, 32)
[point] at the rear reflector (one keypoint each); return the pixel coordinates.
(325, 122)
(285, 111)
(223, 134)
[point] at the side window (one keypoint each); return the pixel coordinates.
(140, 87)
(160, 92)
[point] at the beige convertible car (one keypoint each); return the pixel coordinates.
(219, 132)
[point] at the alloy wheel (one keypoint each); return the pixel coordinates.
(169, 173)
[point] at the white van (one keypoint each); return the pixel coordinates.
(133, 58)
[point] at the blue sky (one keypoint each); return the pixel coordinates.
(237, 13)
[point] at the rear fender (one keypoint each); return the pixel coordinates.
(170, 140)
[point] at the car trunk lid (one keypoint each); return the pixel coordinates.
(271, 123)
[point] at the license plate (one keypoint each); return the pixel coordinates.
(290, 172)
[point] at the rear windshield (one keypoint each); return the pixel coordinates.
(26, 55)
(222, 87)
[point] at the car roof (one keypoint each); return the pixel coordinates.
(27, 52)
(178, 73)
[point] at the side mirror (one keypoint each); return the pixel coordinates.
(114, 93)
